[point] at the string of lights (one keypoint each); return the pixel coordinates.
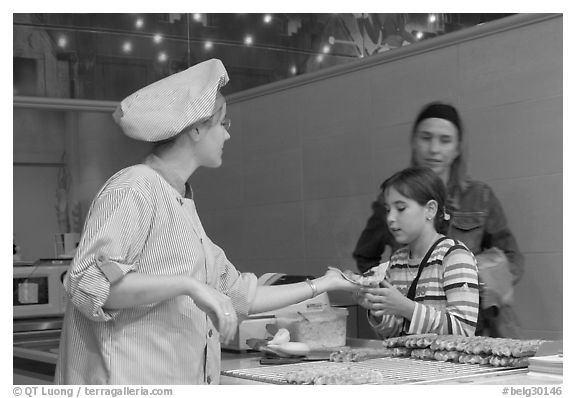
(158, 38)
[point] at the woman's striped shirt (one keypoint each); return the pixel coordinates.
(446, 294)
(140, 223)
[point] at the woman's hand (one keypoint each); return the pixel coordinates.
(334, 280)
(386, 300)
(217, 306)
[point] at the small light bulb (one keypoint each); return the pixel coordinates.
(419, 35)
(197, 17)
(432, 18)
(127, 47)
(158, 38)
(267, 18)
(62, 41)
(320, 58)
(162, 57)
(139, 23)
(248, 40)
(326, 49)
(208, 45)
(293, 70)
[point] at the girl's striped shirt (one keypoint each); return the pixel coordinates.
(447, 294)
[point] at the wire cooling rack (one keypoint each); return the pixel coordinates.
(392, 370)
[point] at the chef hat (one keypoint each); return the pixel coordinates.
(163, 109)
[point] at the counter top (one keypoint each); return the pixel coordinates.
(239, 360)
(47, 354)
(247, 360)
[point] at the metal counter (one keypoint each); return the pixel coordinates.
(35, 355)
(245, 368)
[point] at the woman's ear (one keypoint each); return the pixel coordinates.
(195, 134)
(431, 209)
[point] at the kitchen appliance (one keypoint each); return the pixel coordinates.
(254, 327)
(38, 289)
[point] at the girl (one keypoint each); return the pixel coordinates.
(477, 217)
(432, 281)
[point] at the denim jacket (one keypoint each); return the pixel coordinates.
(477, 219)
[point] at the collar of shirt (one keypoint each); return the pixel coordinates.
(158, 165)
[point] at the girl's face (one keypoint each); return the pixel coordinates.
(406, 218)
(435, 144)
(213, 135)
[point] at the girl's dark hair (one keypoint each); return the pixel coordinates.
(421, 184)
(440, 110)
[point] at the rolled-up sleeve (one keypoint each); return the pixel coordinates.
(114, 235)
(239, 286)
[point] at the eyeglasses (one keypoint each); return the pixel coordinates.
(226, 123)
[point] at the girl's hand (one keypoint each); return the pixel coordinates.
(217, 306)
(387, 300)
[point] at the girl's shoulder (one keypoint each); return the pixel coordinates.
(449, 246)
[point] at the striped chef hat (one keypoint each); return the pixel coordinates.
(164, 108)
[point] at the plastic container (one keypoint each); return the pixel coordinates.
(318, 329)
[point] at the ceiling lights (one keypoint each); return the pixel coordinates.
(127, 47)
(62, 41)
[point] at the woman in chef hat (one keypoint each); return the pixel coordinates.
(151, 296)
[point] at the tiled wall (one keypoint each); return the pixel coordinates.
(100, 151)
(305, 162)
(38, 146)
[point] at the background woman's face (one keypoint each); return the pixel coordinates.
(435, 145)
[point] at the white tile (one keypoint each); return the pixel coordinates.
(219, 188)
(271, 124)
(337, 166)
(515, 140)
(273, 178)
(533, 207)
(273, 232)
(335, 105)
(538, 295)
(516, 65)
(400, 88)
(392, 151)
(332, 226)
(225, 227)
